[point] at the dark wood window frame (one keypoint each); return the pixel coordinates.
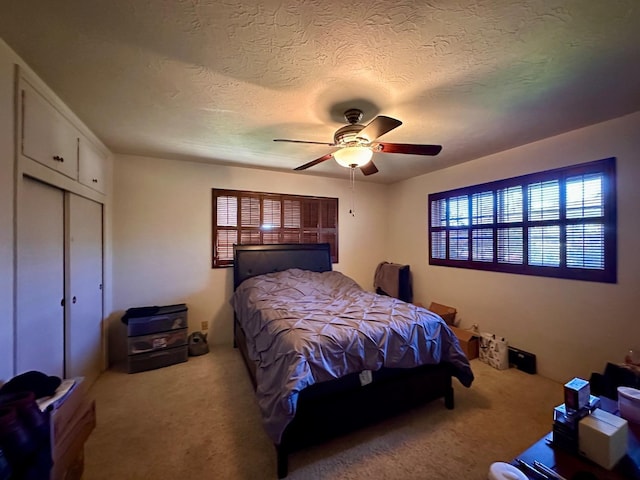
(557, 223)
(249, 218)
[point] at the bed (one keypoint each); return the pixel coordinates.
(325, 356)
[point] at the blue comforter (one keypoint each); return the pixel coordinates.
(305, 327)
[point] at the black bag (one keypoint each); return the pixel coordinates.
(198, 344)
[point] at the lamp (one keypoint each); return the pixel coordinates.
(352, 157)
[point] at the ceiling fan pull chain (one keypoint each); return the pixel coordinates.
(352, 181)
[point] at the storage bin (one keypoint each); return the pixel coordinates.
(157, 341)
(157, 359)
(145, 320)
(157, 336)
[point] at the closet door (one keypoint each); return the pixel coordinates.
(84, 267)
(40, 279)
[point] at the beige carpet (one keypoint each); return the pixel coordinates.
(199, 420)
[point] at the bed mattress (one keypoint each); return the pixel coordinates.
(306, 327)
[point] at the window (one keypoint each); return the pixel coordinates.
(558, 223)
(245, 218)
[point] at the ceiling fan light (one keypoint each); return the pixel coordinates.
(352, 157)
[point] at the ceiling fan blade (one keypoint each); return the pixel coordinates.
(369, 168)
(409, 148)
(303, 141)
(378, 127)
(315, 162)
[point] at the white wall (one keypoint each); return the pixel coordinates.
(162, 236)
(573, 327)
(7, 60)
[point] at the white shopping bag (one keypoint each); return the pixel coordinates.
(485, 340)
(494, 351)
(499, 353)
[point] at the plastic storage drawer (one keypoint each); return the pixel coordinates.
(157, 359)
(157, 341)
(146, 320)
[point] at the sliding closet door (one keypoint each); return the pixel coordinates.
(84, 322)
(40, 279)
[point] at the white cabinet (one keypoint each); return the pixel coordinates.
(61, 186)
(46, 135)
(91, 165)
(49, 137)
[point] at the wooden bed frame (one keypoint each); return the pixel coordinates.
(332, 408)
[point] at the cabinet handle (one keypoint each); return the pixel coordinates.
(94, 180)
(58, 158)
(73, 300)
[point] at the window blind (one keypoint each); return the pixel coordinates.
(559, 223)
(249, 218)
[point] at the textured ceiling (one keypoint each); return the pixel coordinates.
(216, 81)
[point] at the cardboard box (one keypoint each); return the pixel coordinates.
(602, 438)
(72, 419)
(448, 314)
(68, 453)
(469, 342)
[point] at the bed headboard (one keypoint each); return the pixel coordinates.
(252, 260)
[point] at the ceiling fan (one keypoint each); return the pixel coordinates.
(356, 143)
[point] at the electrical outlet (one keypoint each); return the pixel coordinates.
(204, 325)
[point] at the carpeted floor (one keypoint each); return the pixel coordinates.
(199, 420)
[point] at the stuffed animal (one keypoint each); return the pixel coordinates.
(198, 344)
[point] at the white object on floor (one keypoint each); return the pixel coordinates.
(505, 471)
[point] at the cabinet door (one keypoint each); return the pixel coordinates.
(47, 136)
(84, 270)
(40, 279)
(91, 166)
